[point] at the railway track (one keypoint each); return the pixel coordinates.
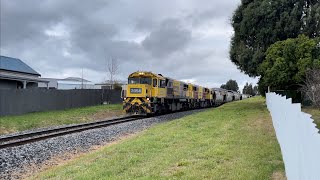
(20, 139)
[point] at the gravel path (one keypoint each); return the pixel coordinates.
(17, 161)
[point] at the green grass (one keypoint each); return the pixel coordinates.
(234, 141)
(315, 112)
(9, 124)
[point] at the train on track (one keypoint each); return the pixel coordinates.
(148, 93)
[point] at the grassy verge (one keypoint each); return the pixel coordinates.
(315, 112)
(9, 124)
(234, 141)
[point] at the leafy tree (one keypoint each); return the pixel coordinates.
(248, 89)
(287, 62)
(231, 85)
(245, 89)
(223, 86)
(260, 23)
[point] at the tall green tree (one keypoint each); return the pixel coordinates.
(248, 89)
(245, 88)
(231, 85)
(287, 62)
(258, 24)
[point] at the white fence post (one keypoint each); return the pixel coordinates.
(298, 138)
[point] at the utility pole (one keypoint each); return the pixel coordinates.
(82, 79)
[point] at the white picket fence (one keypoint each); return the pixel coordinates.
(298, 138)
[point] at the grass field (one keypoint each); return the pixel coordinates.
(9, 124)
(234, 141)
(315, 114)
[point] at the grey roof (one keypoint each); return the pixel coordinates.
(14, 64)
(67, 79)
(74, 79)
(108, 82)
(17, 78)
(77, 79)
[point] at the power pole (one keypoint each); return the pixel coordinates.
(82, 79)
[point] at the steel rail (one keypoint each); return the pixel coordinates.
(25, 138)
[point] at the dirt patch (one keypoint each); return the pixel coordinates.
(278, 176)
(175, 169)
(262, 123)
(106, 114)
(5, 131)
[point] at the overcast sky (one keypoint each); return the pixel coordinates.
(183, 39)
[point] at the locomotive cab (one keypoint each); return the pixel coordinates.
(139, 87)
(144, 88)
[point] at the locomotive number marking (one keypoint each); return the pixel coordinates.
(135, 90)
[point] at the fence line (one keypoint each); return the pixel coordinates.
(298, 138)
(20, 101)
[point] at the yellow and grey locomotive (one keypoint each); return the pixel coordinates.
(148, 93)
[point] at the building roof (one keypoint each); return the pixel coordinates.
(18, 78)
(74, 79)
(108, 82)
(16, 65)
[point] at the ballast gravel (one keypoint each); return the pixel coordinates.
(16, 162)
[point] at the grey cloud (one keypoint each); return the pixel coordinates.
(144, 24)
(217, 10)
(22, 20)
(23, 24)
(87, 35)
(98, 30)
(168, 38)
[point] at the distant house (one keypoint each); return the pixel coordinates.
(109, 85)
(15, 74)
(68, 83)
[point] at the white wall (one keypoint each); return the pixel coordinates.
(53, 83)
(298, 138)
(74, 85)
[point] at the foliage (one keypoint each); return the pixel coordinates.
(234, 141)
(231, 85)
(287, 62)
(248, 89)
(117, 85)
(9, 124)
(260, 23)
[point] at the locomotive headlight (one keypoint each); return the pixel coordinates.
(148, 99)
(124, 98)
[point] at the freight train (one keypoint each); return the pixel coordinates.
(148, 93)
